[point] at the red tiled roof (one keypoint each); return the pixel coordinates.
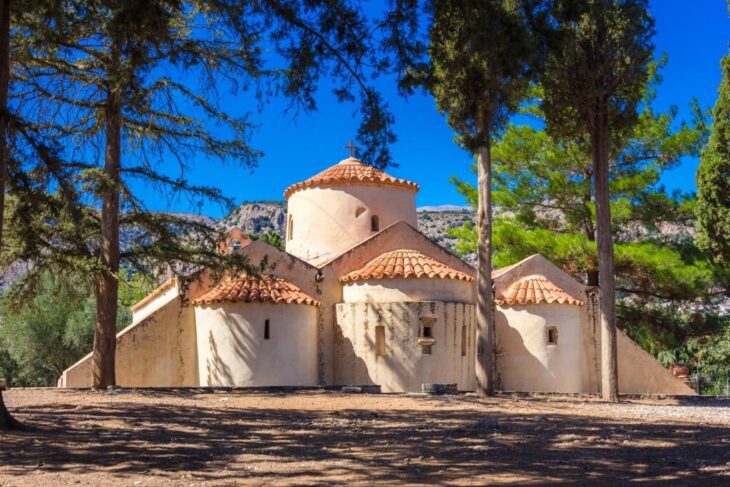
(351, 171)
(405, 263)
(535, 290)
(252, 289)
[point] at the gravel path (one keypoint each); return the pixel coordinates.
(196, 438)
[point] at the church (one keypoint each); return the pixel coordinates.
(361, 297)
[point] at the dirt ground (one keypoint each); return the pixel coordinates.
(195, 437)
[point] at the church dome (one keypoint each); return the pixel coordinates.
(405, 264)
(256, 289)
(535, 289)
(406, 275)
(352, 171)
(344, 205)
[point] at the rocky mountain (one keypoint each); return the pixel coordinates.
(270, 216)
(257, 217)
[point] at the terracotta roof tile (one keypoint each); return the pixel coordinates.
(405, 263)
(351, 171)
(535, 290)
(252, 289)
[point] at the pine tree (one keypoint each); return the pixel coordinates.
(100, 72)
(482, 60)
(6, 420)
(544, 204)
(595, 76)
(713, 179)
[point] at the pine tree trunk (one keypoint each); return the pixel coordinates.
(485, 310)
(606, 277)
(107, 286)
(6, 419)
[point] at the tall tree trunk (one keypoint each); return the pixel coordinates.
(592, 273)
(107, 285)
(6, 419)
(485, 311)
(606, 277)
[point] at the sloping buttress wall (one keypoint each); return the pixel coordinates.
(158, 351)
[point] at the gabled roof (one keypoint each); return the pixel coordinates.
(256, 289)
(351, 171)
(405, 263)
(535, 289)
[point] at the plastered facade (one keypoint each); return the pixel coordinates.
(233, 349)
(369, 331)
(402, 364)
(325, 222)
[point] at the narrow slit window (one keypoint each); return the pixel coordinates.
(360, 210)
(552, 335)
(290, 231)
(463, 340)
(267, 330)
(380, 341)
(375, 223)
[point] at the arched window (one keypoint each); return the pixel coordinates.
(375, 223)
(360, 210)
(290, 230)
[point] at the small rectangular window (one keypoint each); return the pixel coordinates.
(426, 327)
(426, 349)
(267, 330)
(552, 335)
(380, 341)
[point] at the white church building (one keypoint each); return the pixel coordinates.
(361, 297)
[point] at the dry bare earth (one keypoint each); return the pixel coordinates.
(231, 438)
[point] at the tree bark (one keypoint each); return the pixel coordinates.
(485, 299)
(107, 286)
(6, 419)
(592, 273)
(606, 276)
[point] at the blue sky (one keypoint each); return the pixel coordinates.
(693, 34)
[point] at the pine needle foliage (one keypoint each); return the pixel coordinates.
(713, 179)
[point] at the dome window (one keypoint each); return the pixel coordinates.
(360, 210)
(375, 223)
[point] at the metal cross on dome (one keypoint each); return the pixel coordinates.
(351, 147)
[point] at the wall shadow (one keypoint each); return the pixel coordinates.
(453, 438)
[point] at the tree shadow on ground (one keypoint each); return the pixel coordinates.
(459, 440)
